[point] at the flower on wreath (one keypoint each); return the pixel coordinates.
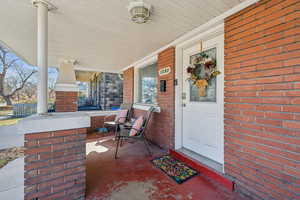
(203, 68)
(209, 64)
(201, 83)
(190, 70)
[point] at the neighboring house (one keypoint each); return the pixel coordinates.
(106, 90)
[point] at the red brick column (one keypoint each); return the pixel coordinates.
(128, 85)
(262, 104)
(161, 128)
(164, 126)
(66, 101)
(55, 165)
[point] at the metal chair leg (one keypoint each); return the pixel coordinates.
(116, 132)
(117, 148)
(147, 146)
(122, 141)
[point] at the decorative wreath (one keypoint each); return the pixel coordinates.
(202, 69)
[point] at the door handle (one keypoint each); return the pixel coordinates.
(183, 105)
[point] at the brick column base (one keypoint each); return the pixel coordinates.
(55, 165)
(66, 101)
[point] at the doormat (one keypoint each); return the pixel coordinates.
(174, 168)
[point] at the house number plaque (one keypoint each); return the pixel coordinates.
(164, 71)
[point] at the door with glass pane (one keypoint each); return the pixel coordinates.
(203, 108)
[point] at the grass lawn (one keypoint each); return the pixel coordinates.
(3, 162)
(6, 122)
(7, 155)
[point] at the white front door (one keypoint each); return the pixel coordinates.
(203, 114)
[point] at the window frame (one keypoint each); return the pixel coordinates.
(148, 62)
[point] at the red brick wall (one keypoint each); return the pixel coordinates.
(162, 125)
(66, 101)
(165, 121)
(262, 99)
(55, 165)
(98, 122)
(128, 83)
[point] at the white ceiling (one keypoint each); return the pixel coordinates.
(99, 33)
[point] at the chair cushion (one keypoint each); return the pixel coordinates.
(121, 117)
(136, 126)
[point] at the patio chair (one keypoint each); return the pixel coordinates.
(137, 131)
(123, 116)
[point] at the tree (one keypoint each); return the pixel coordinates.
(29, 90)
(13, 75)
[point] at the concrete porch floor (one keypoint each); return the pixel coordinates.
(133, 177)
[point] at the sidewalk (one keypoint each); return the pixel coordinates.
(10, 137)
(12, 180)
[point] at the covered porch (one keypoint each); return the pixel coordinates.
(133, 176)
(223, 77)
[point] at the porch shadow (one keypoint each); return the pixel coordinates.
(133, 177)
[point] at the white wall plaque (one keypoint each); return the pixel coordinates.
(164, 71)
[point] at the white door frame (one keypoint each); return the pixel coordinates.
(209, 34)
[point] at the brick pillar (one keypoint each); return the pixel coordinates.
(128, 85)
(55, 165)
(66, 89)
(66, 101)
(164, 122)
(161, 128)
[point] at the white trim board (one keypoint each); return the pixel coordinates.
(213, 22)
(147, 61)
(66, 87)
(54, 122)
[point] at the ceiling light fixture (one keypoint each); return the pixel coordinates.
(140, 12)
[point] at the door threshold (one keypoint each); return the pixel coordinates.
(202, 159)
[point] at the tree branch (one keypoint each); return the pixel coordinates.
(22, 84)
(11, 63)
(10, 85)
(3, 56)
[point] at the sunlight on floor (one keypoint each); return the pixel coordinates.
(95, 147)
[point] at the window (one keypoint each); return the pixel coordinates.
(147, 84)
(211, 90)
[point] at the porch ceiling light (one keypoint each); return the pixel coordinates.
(140, 12)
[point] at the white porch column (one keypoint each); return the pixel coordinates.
(42, 53)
